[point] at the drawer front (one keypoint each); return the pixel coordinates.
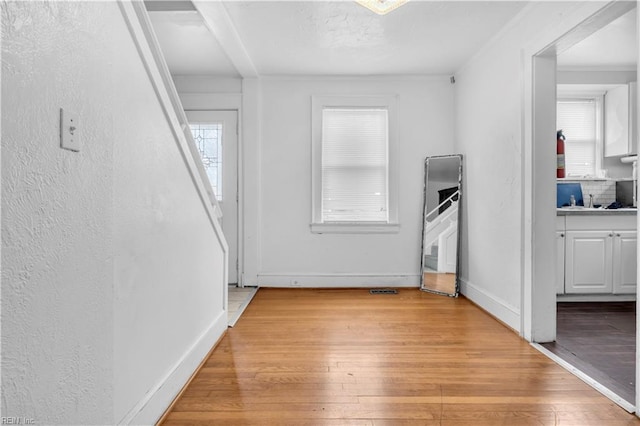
(601, 222)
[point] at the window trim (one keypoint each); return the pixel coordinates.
(318, 103)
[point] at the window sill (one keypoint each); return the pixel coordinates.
(355, 228)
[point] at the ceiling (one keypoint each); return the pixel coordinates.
(324, 38)
(188, 46)
(236, 38)
(344, 38)
(614, 47)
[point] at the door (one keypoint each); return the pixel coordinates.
(588, 262)
(625, 262)
(216, 136)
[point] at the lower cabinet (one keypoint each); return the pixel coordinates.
(625, 260)
(597, 261)
(589, 262)
(560, 237)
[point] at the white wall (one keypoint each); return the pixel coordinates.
(493, 98)
(112, 279)
(290, 253)
(168, 263)
(57, 225)
(207, 84)
(595, 77)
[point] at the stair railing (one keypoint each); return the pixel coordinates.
(439, 224)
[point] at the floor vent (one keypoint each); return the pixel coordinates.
(383, 291)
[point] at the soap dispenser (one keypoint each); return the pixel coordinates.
(572, 200)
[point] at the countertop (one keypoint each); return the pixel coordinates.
(585, 211)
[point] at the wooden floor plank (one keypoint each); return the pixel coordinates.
(346, 357)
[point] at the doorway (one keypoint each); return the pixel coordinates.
(542, 293)
(216, 136)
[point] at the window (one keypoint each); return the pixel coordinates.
(580, 119)
(208, 139)
(353, 172)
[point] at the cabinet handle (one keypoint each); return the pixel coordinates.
(617, 235)
(562, 235)
(611, 235)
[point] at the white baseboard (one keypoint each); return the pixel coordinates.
(319, 280)
(510, 315)
(596, 298)
(149, 410)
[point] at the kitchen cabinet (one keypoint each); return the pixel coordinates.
(560, 249)
(589, 262)
(620, 121)
(633, 118)
(599, 255)
(625, 262)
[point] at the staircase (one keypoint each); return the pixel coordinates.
(440, 236)
(431, 259)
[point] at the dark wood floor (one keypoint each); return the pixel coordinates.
(600, 340)
(346, 357)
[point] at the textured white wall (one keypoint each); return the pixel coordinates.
(57, 244)
(492, 98)
(288, 248)
(112, 279)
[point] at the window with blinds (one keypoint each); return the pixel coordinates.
(580, 121)
(355, 165)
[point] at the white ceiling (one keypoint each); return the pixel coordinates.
(328, 38)
(613, 47)
(188, 46)
(344, 38)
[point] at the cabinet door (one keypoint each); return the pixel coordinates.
(588, 262)
(633, 118)
(616, 121)
(625, 262)
(560, 262)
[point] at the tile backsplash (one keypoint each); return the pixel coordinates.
(603, 191)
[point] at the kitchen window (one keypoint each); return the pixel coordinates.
(354, 174)
(580, 119)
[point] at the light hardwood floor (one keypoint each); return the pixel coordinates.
(343, 357)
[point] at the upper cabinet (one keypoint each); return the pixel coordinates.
(633, 117)
(620, 120)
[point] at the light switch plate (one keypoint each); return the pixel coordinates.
(69, 132)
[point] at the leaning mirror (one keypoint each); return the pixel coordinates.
(440, 236)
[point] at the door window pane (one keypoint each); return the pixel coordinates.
(208, 139)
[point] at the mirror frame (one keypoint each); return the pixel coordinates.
(456, 291)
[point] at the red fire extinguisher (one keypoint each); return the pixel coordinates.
(560, 152)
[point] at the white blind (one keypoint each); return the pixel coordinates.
(355, 165)
(578, 120)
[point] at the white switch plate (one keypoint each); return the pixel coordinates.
(69, 132)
